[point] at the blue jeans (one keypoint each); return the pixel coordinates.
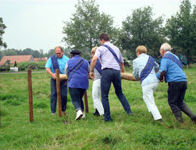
(112, 76)
(76, 97)
(53, 97)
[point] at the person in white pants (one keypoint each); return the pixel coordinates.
(144, 68)
(96, 88)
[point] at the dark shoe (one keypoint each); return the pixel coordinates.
(111, 120)
(193, 119)
(130, 114)
(159, 120)
(96, 113)
(178, 116)
(188, 112)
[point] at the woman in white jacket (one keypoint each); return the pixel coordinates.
(96, 88)
(144, 68)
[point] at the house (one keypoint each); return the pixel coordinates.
(40, 59)
(17, 59)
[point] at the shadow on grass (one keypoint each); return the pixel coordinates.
(109, 139)
(11, 99)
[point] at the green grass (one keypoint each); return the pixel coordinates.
(138, 132)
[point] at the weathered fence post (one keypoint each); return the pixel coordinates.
(30, 96)
(0, 115)
(58, 91)
(86, 102)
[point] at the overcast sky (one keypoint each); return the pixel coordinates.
(38, 24)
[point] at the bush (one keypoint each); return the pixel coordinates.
(33, 65)
(4, 68)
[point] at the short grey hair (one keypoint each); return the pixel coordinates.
(61, 48)
(166, 47)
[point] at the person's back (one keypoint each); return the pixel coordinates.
(106, 57)
(79, 79)
(174, 72)
(139, 63)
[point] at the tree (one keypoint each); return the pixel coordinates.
(141, 29)
(27, 51)
(193, 35)
(87, 23)
(2, 28)
(180, 30)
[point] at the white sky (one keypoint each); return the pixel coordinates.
(38, 24)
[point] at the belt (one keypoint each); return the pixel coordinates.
(110, 69)
(107, 68)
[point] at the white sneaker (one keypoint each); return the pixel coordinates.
(79, 114)
(83, 116)
(53, 114)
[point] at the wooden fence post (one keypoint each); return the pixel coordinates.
(58, 92)
(86, 102)
(0, 115)
(30, 96)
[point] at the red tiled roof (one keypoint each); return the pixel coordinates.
(40, 59)
(17, 58)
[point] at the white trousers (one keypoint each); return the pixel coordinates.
(96, 94)
(148, 98)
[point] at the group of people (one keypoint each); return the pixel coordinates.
(105, 67)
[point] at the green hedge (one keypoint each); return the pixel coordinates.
(33, 65)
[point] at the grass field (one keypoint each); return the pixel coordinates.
(137, 132)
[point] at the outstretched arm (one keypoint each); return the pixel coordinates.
(51, 73)
(122, 67)
(135, 72)
(163, 70)
(93, 62)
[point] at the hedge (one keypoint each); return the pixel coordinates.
(33, 65)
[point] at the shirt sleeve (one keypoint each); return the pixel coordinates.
(48, 63)
(163, 67)
(121, 58)
(66, 58)
(88, 67)
(98, 52)
(135, 70)
(66, 69)
(156, 66)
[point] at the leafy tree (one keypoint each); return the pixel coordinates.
(180, 30)
(2, 28)
(141, 29)
(10, 52)
(27, 51)
(193, 34)
(87, 23)
(50, 53)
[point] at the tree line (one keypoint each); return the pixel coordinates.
(26, 51)
(139, 28)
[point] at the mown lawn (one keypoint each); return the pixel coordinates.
(137, 132)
